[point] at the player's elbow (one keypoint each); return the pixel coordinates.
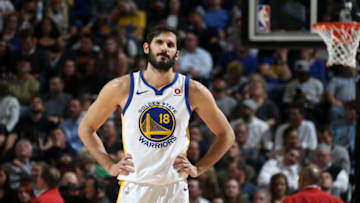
(84, 130)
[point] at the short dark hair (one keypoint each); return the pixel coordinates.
(300, 106)
(287, 132)
(51, 176)
(157, 30)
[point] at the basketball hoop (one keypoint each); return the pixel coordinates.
(342, 41)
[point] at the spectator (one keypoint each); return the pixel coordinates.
(20, 166)
(174, 18)
(111, 139)
(339, 154)
(56, 100)
(5, 58)
(344, 129)
(5, 7)
(197, 135)
(113, 59)
(225, 102)
(47, 34)
(49, 181)
(279, 188)
(215, 16)
(70, 188)
(128, 45)
(288, 165)
(55, 57)
(340, 90)
(195, 61)
(275, 69)
(232, 192)
(70, 125)
(24, 193)
(259, 131)
(55, 146)
(266, 110)
(95, 190)
(193, 152)
(317, 66)
(218, 200)
(323, 161)
(262, 196)
(327, 184)
(23, 85)
(209, 183)
(34, 125)
(10, 110)
(240, 54)
(71, 77)
(304, 88)
(84, 50)
(92, 80)
(58, 12)
(306, 129)
(195, 192)
(36, 171)
(10, 30)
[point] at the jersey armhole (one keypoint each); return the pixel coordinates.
(187, 80)
(131, 92)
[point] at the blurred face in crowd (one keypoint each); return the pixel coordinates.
(13, 22)
(350, 113)
(28, 43)
(280, 186)
(37, 105)
(325, 137)
(23, 150)
(241, 134)
(234, 151)
(307, 53)
(56, 5)
(2, 45)
(69, 68)
(195, 134)
(109, 129)
(23, 68)
(214, 3)
(194, 151)
(246, 113)
(162, 51)
(110, 46)
(257, 90)
(260, 197)
(86, 45)
(23, 195)
(46, 26)
(232, 189)
(191, 42)
(58, 136)
(291, 157)
(292, 139)
(326, 181)
(174, 5)
(75, 109)
(236, 173)
(295, 117)
(194, 189)
(323, 158)
(218, 200)
(241, 50)
(56, 85)
(219, 88)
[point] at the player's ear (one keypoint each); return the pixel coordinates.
(146, 47)
(177, 54)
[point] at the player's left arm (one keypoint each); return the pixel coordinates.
(202, 101)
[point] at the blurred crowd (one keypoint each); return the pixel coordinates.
(286, 107)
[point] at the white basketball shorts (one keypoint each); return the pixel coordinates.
(146, 193)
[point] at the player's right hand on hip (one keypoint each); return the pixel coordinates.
(124, 167)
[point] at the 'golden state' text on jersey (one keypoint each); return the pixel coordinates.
(155, 124)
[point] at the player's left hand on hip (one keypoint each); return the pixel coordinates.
(183, 165)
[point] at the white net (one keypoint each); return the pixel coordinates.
(342, 41)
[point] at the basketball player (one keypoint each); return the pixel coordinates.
(156, 107)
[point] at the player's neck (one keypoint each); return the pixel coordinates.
(157, 78)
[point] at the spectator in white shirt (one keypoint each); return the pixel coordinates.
(195, 61)
(259, 130)
(288, 165)
(306, 129)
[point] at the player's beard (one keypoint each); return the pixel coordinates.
(161, 65)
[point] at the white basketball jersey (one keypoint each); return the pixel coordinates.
(155, 124)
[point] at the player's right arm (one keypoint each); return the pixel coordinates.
(113, 95)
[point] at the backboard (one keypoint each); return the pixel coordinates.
(288, 23)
